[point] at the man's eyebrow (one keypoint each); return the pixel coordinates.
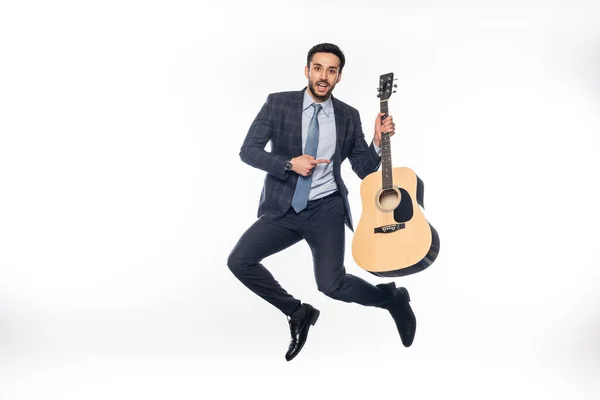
(315, 64)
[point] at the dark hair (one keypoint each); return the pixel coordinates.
(326, 48)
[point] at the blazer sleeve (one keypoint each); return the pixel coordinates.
(363, 157)
(253, 149)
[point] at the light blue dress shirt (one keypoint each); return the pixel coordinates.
(323, 182)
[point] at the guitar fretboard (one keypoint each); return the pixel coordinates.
(386, 152)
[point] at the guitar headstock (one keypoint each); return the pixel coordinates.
(386, 86)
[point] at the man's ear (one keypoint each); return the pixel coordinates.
(306, 71)
(339, 77)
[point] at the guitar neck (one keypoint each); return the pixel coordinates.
(386, 152)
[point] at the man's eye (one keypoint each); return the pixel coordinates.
(332, 71)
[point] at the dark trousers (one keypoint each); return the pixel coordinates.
(321, 224)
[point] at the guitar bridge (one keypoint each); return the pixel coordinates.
(389, 228)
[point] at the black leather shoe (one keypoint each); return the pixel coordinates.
(299, 330)
(403, 315)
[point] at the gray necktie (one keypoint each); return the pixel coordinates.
(312, 142)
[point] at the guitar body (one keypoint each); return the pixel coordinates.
(393, 237)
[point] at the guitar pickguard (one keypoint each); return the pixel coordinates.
(404, 211)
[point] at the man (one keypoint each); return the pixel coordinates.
(304, 196)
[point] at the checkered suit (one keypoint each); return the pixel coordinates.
(280, 121)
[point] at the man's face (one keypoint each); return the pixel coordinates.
(323, 74)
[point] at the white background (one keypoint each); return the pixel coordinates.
(122, 194)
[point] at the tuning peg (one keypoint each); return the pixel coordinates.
(394, 91)
(378, 95)
(395, 85)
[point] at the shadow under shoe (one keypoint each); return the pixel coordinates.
(299, 328)
(402, 313)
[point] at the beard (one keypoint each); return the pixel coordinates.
(317, 95)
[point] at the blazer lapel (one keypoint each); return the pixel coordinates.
(340, 126)
(296, 106)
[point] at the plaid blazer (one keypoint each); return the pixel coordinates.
(280, 121)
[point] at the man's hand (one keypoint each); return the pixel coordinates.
(386, 126)
(304, 164)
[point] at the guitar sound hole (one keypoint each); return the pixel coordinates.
(388, 199)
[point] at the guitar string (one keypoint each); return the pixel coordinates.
(387, 195)
(386, 216)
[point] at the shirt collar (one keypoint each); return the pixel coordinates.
(327, 104)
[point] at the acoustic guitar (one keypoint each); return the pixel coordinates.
(393, 237)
